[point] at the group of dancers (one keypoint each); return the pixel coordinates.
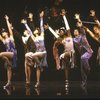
(35, 50)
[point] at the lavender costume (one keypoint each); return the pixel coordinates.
(10, 47)
(86, 52)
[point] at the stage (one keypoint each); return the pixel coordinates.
(50, 89)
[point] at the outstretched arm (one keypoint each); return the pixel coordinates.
(92, 14)
(41, 23)
(9, 26)
(51, 30)
(83, 28)
(92, 34)
(80, 24)
(63, 13)
(27, 27)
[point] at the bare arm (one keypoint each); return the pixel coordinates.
(27, 27)
(55, 50)
(9, 27)
(41, 23)
(63, 13)
(52, 31)
(92, 14)
(80, 24)
(77, 17)
(1, 39)
(92, 35)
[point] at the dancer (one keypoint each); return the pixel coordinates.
(66, 59)
(10, 55)
(84, 48)
(29, 47)
(39, 56)
(96, 34)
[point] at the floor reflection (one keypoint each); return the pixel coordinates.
(51, 89)
(9, 90)
(84, 90)
(37, 91)
(28, 91)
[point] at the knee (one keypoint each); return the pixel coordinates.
(26, 55)
(83, 58)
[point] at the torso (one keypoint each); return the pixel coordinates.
(9, 44)
(39, 41)
(68, 44)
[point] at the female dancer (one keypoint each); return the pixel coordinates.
(84, 48)
(96, 34)
(39, 57)
(66, 59)
(10, 55)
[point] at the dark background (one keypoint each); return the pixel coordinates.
(16, 9)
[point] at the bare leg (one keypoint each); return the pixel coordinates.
(38, 54)
(9, 74)
(27, 73)
(38, 73)
(66, 74)
(9, 77)
(7, 54)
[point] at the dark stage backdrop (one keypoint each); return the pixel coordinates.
(16, 10)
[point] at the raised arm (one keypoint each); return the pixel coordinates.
(77, 17)
(63, 13)
(23, 21)
(27, 27)
(41, 23)
(31, 21)
(83, 28)
(52, 31)
(80, 24)
(9, 26)
(92, 14)
(92, 34)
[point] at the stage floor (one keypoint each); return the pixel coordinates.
(50, 89)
